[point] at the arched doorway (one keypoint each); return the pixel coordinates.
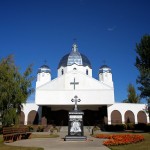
(129, 117)
(116, 117)
(141, 117)
(33, 117)
(21, 118)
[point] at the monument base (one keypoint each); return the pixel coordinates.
(75, 138)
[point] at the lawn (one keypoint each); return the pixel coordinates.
(145, 145)
(44, 136)
(6, 147)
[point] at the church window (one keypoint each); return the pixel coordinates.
(87, 72)
(62, 71)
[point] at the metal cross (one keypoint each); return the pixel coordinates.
(45, 62)
(74, 83)
(75, 100)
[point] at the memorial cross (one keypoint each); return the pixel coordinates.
(76, 100)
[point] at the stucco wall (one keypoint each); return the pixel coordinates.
(124, 107)
(29, 107)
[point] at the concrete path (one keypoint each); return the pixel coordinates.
(60, 144)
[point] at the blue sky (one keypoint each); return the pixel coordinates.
(106, 30)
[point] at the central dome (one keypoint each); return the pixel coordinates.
(74, 58)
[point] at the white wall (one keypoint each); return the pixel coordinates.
(29, 107)
(78, 68)
(60, 92)
(123, 107)
(42, 78)
(87, 97)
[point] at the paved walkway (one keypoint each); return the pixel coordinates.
(60, 144)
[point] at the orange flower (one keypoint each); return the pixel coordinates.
(120, 139)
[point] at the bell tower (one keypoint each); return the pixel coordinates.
(105, 75)
(43, 75)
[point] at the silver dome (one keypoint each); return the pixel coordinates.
(74, 58)
(44, 68)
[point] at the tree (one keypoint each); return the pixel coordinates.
(14, 90)
(132, 96)
(143, 66)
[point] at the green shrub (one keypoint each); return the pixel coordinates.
(120, 127)
(147, 128)
(117, 127)
(30, 128)
(130, 126)
(140, 126)
(40, 128)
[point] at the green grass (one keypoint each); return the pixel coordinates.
(144, 145)
(44, 136)
(6, 147)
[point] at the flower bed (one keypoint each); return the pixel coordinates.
(120, 139)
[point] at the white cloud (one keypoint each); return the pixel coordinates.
(111, 28)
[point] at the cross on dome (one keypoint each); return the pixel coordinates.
(74, 47)
(74, 57)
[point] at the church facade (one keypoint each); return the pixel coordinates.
(53, 98)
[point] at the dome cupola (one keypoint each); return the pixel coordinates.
(44, 68)
(105, 75)
(74, 58)
(43, 75)
(104, 68)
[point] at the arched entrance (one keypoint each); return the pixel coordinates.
(60, 117)
(141, 117)
(116, 117)
(33, 117)
(129, 117)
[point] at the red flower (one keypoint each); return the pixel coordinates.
(120, 139)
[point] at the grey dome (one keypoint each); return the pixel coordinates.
(44, 68)
(74, 58)
(104, 68)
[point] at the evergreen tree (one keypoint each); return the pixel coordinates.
(132, 96)
(14, 90)
(143, 65)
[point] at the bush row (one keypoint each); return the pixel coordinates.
(128, 126)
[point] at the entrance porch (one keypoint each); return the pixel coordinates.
(58, 115)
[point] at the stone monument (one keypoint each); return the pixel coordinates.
(75, 124)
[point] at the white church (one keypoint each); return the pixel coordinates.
(97, 99)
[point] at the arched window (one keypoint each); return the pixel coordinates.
(116, 117)
(33, 117)
(87, 72)
(141, 117)
(129, 117)
(62, 71)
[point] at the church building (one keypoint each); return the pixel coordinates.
(53, 97)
